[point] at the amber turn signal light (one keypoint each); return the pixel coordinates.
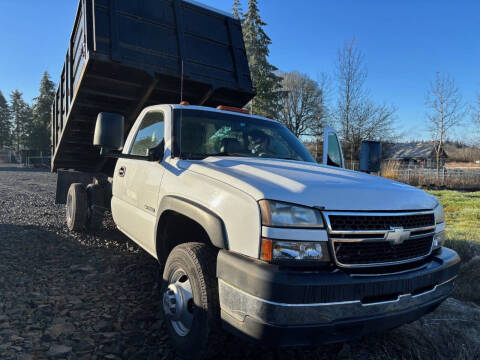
(266, 252)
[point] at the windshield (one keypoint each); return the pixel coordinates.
(199, 134)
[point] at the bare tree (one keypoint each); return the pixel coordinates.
(476, 120)
(446, 110)
(302, 105)
(357, 116)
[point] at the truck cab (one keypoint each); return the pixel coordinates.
(256, 238)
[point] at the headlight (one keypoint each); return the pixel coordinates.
(281, 250)
(439, 214)
(279, 214)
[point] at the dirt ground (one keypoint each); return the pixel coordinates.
(96, 296)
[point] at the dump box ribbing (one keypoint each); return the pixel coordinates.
(125, 55)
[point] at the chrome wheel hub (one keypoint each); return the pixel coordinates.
(178, 303)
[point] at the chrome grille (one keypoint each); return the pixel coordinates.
(368, 222)
(359, 239)
(381, 251)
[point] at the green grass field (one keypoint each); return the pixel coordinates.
(462, 212)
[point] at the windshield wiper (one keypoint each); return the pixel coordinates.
(226, 153)
(287, 158)
(199, 156)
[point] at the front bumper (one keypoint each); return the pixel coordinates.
(285, 307)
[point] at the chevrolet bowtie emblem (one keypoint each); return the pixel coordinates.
(397, 235)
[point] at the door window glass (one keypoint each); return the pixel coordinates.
(334, 156)
(149, 135)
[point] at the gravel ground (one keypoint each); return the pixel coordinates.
(96, 296)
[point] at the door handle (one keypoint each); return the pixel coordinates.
(122, 171)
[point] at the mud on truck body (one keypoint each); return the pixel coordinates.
(253, 235)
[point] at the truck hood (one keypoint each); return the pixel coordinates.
(311, 184)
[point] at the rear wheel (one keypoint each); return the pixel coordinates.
(190, 300)
(96, 205)
(77, 207)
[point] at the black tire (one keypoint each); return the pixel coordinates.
(77, 207)
(96, 204)
(205, 336)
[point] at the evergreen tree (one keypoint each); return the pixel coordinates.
(21, 114)
(237, 10)
(5, 124)
(39, 137)
(264, 79)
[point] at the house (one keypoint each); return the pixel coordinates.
(5, 156)
(420, 154)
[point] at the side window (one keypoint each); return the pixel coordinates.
(334, 153)
(150, 134)
(332, 150)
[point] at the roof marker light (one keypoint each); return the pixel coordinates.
(233, 109)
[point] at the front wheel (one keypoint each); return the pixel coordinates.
(190, 300)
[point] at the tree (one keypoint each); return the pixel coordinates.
(5, 124)
(357, 116)
(237, 10)
(39, 137)
(476, 119)
(446, 110)
(21, 114)
(263, 75)
(302, 104)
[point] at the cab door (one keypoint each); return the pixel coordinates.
(332, 148)
(135, 194)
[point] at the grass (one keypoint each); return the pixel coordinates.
(462, 212)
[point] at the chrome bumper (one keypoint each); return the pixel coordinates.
(239, 305)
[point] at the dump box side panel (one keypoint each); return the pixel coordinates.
(71, 74)
(125, 55)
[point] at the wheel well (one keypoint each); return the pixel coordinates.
(175, 229)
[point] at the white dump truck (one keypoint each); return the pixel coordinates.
(253, 235)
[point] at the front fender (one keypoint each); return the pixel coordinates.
(211, 223)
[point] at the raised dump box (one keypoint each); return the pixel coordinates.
(125, 55)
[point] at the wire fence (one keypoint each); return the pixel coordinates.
(467, 178)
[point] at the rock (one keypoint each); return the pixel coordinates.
(157, 325)
(60, 329)
(109, 335)
(58, 350)
(16, 338)
(111, 356)
(82, 268)
(25, 357)
(345, 352)
(103, 326)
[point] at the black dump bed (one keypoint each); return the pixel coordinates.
(125, 55)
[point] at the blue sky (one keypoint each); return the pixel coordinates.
(405, 43)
